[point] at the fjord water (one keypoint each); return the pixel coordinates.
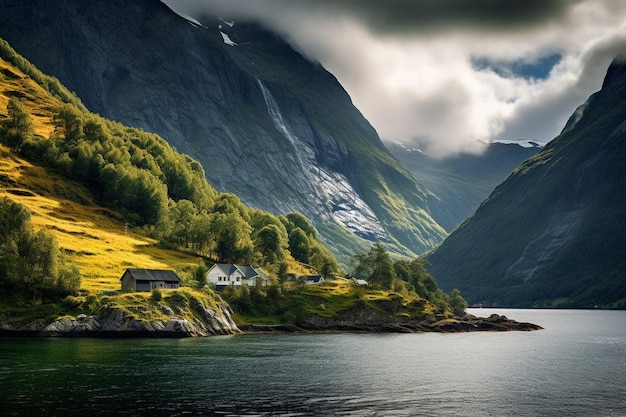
(576, 366)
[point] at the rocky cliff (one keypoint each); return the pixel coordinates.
(177, 322)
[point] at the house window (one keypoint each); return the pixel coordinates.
(237, 279)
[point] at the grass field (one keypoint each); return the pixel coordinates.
(93, 237)
(41, 105)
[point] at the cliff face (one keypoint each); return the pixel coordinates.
(554, 233)
(116, 322)
(266, 124)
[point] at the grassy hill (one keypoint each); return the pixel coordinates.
(94, 238)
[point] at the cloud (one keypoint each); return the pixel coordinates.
(399, 16)
(449, 75)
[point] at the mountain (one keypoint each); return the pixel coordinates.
(461, 183)
(554, 233)
(266, 124)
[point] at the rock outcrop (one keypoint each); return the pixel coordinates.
(387, 324)
(115, 322)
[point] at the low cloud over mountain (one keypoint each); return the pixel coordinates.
(410, 66)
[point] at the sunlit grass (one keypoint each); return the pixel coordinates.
(39, 103)
(93, 238)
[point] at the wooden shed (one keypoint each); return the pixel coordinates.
(135, 279)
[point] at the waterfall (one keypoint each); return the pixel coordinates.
(281, 126)
(332, 189)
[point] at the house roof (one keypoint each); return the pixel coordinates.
(246, 271)
(315, 278)
(152, 275)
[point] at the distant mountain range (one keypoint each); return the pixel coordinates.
(459, 184)
(554, 233)
(267, 124)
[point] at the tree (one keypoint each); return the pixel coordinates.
(182, 215)
(20, 124)
(456, 301)
(299, 245)
(231, 235)
(200, 232)
(69, 121)
(270, 242)
(199, 275)
(375, 266)
(29, 260)
(383, 273)
(297, 220)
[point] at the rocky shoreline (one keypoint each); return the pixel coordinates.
(465, 323)
(115, 323)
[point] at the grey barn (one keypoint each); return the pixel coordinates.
(135, 279)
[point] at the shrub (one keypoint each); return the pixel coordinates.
(157, 295)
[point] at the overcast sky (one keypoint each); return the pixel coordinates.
(448, 75)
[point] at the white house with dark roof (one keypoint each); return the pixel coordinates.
(135, 279)
(314, 280)
(231, 275)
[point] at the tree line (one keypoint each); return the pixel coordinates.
(30, 261)
(403, 275)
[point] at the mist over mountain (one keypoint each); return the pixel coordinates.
(461, 183)
(267, 124)
(554, 233)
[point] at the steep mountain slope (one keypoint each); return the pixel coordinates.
(461, 183)
(554, 233)
(266, 124)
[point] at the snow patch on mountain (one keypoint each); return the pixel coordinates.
(227, 39)
(333, 189)
(192, 21)
(522, 143)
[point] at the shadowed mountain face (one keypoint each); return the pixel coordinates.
(268, 125)
(459, 184)
(554, 233)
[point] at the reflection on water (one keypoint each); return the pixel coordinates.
(575, 367)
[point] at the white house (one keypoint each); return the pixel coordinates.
(228, 275)
(314, 280)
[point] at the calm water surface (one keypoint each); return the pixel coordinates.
(575, 367)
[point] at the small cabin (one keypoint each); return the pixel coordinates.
(135, 279)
